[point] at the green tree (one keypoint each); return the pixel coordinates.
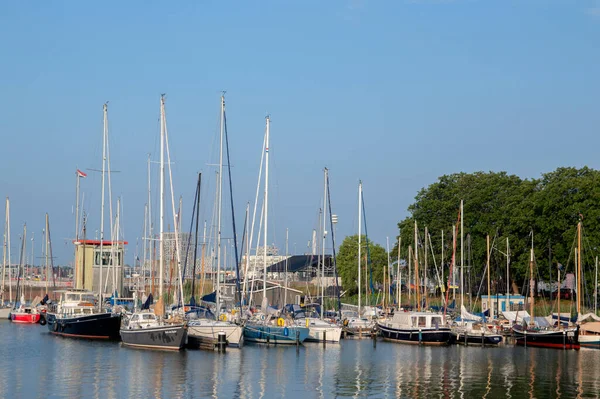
(347, 263)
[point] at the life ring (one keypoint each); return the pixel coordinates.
(262, 317)
(281, 322)
(223, 317)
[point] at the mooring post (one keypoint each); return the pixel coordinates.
(222, 341)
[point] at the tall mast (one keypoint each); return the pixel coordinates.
(4, 255)
(266, 205)
(442, 282)
(398, 275)
(417, 282)
(76, 223)
(488, 277)
(409, 267)
(359, 238)
(508, 276)
(287, 236)
(219, 203)
(387, 242)
(425, 280)
(579, 284)
(596, 290)
(531, 284)
(150, 236)
(161, 262)
(105, 133)
(46, 250)
(324, 235)
(462, 263)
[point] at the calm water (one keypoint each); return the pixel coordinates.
(35, 364)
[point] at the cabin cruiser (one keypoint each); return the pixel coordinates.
(422, 328)
(356, 325)
(77, 315)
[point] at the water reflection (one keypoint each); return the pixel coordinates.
(36, 364)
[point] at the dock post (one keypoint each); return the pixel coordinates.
(564, 337)
(297, 341)
(482, 342)
(222, 341)
(324, 338)
(420, 337)
(526, 338)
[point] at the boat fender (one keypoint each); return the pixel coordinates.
(280, 322)
(286, 332)
(223, 317)
(345, 322)
(42, 320)
(62, 326)
(55, 326)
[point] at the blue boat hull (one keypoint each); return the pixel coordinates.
(274, 334)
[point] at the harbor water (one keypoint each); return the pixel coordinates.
(35, 364)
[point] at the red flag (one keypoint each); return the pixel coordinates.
(81, 174)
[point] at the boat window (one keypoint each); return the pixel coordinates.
(422, 321)
(88, 298)
(148, 317)
(414, 321)
(436, 321)
(73, 297)
(134, 318)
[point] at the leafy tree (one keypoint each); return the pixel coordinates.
(347, 263)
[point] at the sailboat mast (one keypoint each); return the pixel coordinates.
(266, 206)
(161, 262)
(531, 284)
(4, 254)
(287, 236)
(219, 204)
(409, 267)
(77, 176)
(508, 276)
(417, 282)
(398, 275)
(324, 235)
(462, 252)
(387, 243)
(150, 236)
(359, 239)
(579, 284)
(425, 280)
(596, 289)
(46, 250)
(488, 277)
(104, 134)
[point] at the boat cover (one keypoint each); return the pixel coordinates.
(515, 316)
(593, 326)
(586, 316)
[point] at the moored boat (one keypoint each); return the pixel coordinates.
(421, 328)
(475, 334)
(76, 316)
(589, 335)
(561, 338)
(25, 315)
(266, 333)
(145, 330)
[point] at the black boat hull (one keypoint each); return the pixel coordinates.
(439, 337)
(168, 337)
(478, 339)
(559, 339)
(103, 326)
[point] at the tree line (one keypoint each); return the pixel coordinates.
(545, 210)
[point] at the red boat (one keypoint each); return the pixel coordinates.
(25, 315)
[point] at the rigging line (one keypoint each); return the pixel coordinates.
(368, 247)
(337, 288)
(189, 240)
(235, 246)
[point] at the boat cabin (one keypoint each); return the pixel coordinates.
(143, 319)
(417, 320)
(76, 302)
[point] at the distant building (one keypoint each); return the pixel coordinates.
(89, 258)
(515, 302)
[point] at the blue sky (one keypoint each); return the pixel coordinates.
(395, 93)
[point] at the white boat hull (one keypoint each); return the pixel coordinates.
(208, 332)
(323, 333)
(5, 313)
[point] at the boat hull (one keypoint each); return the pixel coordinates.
(104, 326)
(560, 339)
(206, 334)
(274, 334)
(438, 337)
(589, 341)
(324, 333)
(167, 337)
(24, 318)
(472, 338)
(5, 313)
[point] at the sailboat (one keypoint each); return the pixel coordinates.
(23, 314)
(357, 322)
(531, 333)
(145, 329)
(471, 330)
(267, 326)
(79, 313)
(5, 308)
(203, 331)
